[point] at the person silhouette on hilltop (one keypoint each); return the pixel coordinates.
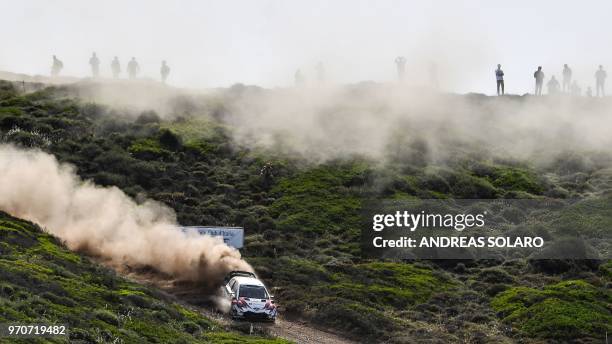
(400, 63)
(57, 66)
(499, 76)
(116, 67)
(539, 79)
(553, 85)
(600, 80)
(567, 78)
(133, 68)
(164, 71)
(94, 62)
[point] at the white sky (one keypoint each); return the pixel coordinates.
(218, 43)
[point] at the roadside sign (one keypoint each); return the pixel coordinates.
(232, 236)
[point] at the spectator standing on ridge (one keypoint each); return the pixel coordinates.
(567, 78)
(116, 67)
(499, 76)
(400, 63)
(133, 68)
(553, 85)
(539, 79)
(57, 66)
(600, 79)
(165, 70)
(589, 92)
(94, 62)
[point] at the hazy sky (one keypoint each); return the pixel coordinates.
(218, 43)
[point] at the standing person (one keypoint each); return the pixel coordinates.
(600, 79)
(400, 63)
(94, 62)
(553, 85)
(133, 68)
(567, 78)
(499, 76)
(539, 79)
(165, 70)
(57, 66)
(116, 67)
(589, 92)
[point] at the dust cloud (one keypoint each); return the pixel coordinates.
(375, 120)
(106, 223)
(323, 121)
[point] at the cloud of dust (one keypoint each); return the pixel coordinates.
(130, 97)
(323, 121)
(221, 302)
(105, 222)
(373, 120)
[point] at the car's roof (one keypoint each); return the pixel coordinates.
(248, 280)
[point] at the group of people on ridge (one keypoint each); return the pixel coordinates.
(567, 86)
(133, 68)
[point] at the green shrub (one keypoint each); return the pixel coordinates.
(354, 318)
(170, 140)
(106, 316)
(469, 187)
(148, 117)
(190, 327)
(149, 149)
(517, 180)
(566, 310)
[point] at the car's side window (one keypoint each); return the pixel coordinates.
(234, 287)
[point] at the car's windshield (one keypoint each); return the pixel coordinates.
(253, 291)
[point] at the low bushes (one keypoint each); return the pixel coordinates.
(565, 310)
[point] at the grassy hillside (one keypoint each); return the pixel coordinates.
(42, 282)
(302, 218)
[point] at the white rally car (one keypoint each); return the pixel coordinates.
(249, 296)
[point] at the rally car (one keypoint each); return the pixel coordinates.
(249, 297)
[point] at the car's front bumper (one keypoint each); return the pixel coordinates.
(259, 315)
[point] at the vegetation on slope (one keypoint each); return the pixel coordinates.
(301, 219)
(568, 309)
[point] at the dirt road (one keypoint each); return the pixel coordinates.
(301, 332)
(191, 296)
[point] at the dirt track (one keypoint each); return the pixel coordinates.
(191, 296)
(301, 332)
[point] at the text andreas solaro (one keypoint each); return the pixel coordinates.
(469, 229)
